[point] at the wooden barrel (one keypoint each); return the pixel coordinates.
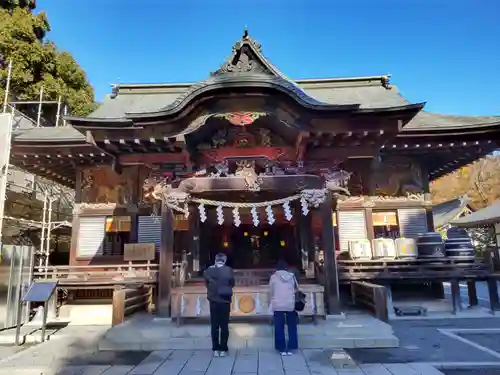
(383, 248)
(430, 246)
(406, 248)
(360, 250)
(458, 244)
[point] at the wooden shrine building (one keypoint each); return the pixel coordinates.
(254, 164)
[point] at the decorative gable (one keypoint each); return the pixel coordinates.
(246, 58)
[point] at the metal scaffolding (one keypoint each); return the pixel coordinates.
(41, 190)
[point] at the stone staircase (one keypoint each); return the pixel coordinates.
(145, 332)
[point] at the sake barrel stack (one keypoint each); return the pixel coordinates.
(406, 248)
(383, 248)
(458, 245)
(430, 246)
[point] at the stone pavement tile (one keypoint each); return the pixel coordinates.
(68, 370)
(151, 362)
(94, 370)
(374, 369)
(270, 362)
(247, 361)
(323, 371)
(295, 363)
(222, 365)
(401, 369)
(425, 369)
(351, 371)
(199, 362)
(118, 370)
(174, 364)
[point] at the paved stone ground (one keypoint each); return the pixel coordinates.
(74, 351)
(472, 372)
(420, 341)
(201, 362)
(488, 340)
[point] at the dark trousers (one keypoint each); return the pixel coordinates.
(219, 323)
(289, 318)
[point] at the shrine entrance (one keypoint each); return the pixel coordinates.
(250, 247)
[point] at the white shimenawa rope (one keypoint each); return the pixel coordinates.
(276, 202)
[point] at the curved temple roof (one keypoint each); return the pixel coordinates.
(486, 216)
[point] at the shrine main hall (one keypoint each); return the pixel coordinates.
(253, 164)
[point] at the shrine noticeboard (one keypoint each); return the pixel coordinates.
(139, 251)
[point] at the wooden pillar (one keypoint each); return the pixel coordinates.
(370, 232)
(493, 294)
(472, 292)
(455, 296)
(165, 270)
(331, 275)
(194, 238)
(304, 231)
(430, 219)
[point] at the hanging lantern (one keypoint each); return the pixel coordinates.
(225, 244)
(245, 234)
(266, 233)
(282, 243)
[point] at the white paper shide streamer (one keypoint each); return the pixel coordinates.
(220, 215)
(236, 217)
(186, 210)
(270, 215)
(304, 206)
(203, 213)
(255, 216)
(288, 211)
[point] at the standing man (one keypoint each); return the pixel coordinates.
(219, 279)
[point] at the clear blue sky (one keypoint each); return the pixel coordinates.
(444, 52)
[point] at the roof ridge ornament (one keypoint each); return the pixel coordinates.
(245, 58)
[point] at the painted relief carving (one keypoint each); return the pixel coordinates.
(104, 185)
(398, 177)
(265, 137)
(246, 169)
(241, 118)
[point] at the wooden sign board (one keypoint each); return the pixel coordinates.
(139, 251)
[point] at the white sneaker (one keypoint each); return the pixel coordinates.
(222, 354)
(217, 353)
(288, 353)
(283, 354)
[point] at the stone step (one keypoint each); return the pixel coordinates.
(307, 342)
(148, 333)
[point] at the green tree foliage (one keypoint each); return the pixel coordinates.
(13, 4)
(37, 62)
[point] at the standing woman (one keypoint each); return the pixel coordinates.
(282, 287)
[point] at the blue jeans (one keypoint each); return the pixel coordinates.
(289, 318)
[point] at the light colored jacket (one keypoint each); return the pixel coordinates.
(282, 291)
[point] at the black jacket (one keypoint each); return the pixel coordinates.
(220, 283)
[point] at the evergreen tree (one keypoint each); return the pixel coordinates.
(37, 62)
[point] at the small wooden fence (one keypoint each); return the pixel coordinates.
(371, 296)
(130, 300)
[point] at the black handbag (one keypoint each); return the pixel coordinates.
(300, 298)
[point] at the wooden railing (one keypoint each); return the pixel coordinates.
(415, 269)
(102, 273)
(371, 296)
(130, 300)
